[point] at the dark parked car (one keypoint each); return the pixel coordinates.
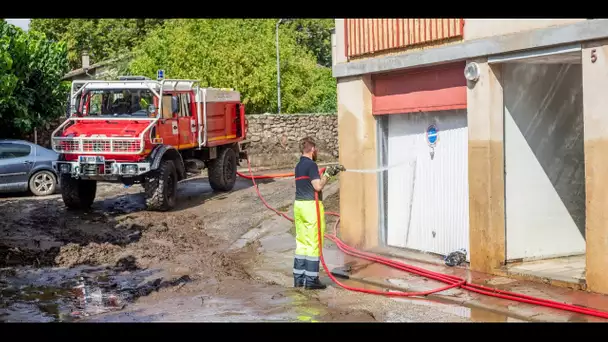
(25, 166)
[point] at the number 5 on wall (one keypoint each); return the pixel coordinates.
(593, 56)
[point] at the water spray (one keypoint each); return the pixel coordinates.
(377, 170)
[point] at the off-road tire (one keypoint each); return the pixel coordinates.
(43, 183)
(222, 170)
(161, 187)
(77, 193)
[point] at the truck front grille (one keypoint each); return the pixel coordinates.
(94, 146)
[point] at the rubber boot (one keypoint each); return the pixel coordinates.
(298, 280)
(314, 284)
(299, 266)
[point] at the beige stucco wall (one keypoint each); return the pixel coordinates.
(357, 147)
(482, 28)
(486, 169)
(595, 82)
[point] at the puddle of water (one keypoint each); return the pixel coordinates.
(32, 303)
(124, 204)
(53, 295)
(257, 305)
(57, 294)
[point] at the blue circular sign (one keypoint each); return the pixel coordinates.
(432, 135)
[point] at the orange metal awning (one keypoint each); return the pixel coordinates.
(421, 90)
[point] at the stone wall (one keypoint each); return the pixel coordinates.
(274, 137)
(42, 135)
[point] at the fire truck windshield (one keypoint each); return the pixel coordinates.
(119, 102)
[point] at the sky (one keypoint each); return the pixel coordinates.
(23, 23)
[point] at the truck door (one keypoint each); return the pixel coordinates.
(187, 121)
(168, 127)
(231, 115)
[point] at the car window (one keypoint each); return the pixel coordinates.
(14, 150)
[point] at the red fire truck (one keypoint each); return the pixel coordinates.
(155, 133)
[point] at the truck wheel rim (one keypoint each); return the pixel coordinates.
(43, 183)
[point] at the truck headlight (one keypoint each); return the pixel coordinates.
(65, 168)
(129, 169)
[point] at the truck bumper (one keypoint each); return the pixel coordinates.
(101, 171)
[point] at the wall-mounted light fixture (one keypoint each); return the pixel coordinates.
(471, 72)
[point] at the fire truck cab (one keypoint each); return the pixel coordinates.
(155, 133)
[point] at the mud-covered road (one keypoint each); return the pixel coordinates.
(175, 264)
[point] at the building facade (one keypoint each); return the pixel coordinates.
(108, 69)
(503, 160)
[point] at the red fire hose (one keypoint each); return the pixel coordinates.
(450, 280)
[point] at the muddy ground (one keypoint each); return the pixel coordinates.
(124, 255)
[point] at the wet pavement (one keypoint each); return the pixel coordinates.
(480, 305)
(217, 257)
(120, 262)
(276, 245)
(455, 305)
(260, 304)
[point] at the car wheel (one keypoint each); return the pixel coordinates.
(43, 183)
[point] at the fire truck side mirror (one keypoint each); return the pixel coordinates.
(151, 109)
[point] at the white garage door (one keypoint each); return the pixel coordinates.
(427, 196)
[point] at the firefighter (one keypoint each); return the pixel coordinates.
(143, 104)
(308, 180)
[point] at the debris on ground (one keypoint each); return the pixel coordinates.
(456, 258)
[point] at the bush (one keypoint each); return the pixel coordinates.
(31, 91)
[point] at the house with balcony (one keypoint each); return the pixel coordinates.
(493, 131)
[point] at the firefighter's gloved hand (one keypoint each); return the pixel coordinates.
(333, 170)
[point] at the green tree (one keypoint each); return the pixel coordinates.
(240, 54)
(31, 91)
(314, 34)
(101, 38)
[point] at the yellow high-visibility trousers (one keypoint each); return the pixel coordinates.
(306, 260)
